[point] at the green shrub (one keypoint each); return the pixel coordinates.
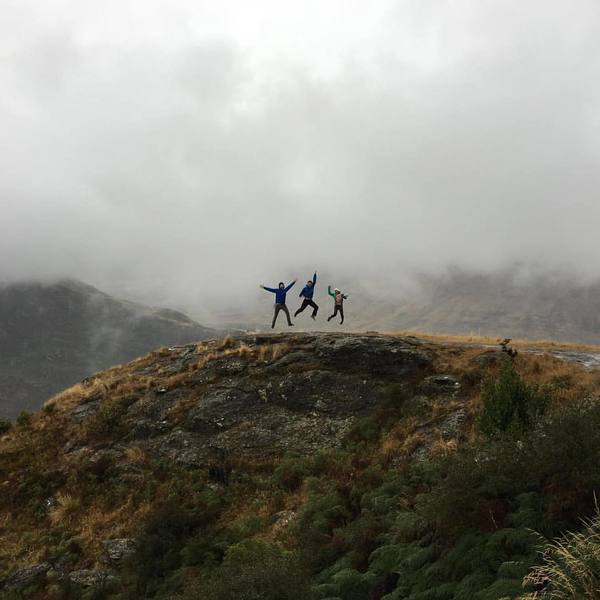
(510, 404)
(108, 420)
(49, 408)
(290, 473)
(5, 425)
(253, 570)
(160, 544)
(364, 431)
(24, 419)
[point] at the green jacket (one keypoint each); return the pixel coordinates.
(339, 300)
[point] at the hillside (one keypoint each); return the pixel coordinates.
(504, 304)
(51, 336)
(299, 466)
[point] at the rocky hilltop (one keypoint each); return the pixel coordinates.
(53, 335)
(142, 479)
(257, 396)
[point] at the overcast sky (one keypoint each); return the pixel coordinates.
(185, 152)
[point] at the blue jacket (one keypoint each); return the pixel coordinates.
(280, 293)
(308, 290)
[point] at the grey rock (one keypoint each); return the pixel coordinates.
(85, 411)
(440, 384)
(452, 424)
(116, 550)
(283, 519)
(378, 355)
(88, 578)
(491, 357)
(25, 577)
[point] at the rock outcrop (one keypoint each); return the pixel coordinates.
(303, 398)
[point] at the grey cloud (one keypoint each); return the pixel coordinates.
(190, 172)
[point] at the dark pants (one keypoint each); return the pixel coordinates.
(338, 309)
(284, 308)
(307, 302)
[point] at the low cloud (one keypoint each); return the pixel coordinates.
(184, 155)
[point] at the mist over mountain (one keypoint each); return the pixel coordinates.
(519, 302)
(53, 335)
(210, 148)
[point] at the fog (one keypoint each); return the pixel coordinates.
(181, 153)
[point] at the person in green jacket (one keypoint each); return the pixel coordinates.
(338, 298)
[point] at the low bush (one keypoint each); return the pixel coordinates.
(253, 570)
(510, 405)
(24, 419)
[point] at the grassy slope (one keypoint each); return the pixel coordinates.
(95, 496)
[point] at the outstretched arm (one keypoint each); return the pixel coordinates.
(330, 292)
(272, 290)
(345, 296)
(289, 287)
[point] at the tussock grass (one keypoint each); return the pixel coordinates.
(227, 342)
(65, 509)
(570, 568)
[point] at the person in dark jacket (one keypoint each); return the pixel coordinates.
(307, 293)
(338, 299)
(280, 294)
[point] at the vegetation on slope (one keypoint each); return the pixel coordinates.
(406, 506)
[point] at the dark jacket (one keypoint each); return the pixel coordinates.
(280, 293)
(309, 290)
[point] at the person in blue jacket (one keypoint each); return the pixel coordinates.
(280, 293)
(307, 293)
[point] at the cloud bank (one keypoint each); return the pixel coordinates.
(184, 152)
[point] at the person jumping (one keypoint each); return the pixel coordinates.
(307, 293)
(280, 293)
(339, 303)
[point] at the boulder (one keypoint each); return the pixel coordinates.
(377, 355)
(490, 358)
(87, 578)
(440, 384)
(25, 577)
(119, 549)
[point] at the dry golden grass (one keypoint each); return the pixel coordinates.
(442, 447)
(228, 342)
(494, 341)
(13, 550)
(279, 350)
(264, 353)
(393, 443)
(98, 523)
(177, 380)
(65, 510)
(136, 455)
(245, 351)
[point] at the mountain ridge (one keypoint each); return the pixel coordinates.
(54, 334)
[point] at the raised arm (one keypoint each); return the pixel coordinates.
(289, 287)
(330, 292)
(315, 279)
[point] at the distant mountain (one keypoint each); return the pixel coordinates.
(53, 335)
(504, 304)
(507, 303)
